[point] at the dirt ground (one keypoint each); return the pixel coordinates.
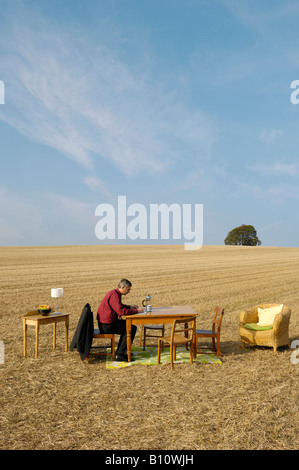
(57, 402)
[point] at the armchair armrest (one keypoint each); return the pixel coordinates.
(282, 320)
(250, 316)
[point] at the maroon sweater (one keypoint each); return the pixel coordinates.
(111, 307)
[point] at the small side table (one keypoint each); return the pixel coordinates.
(36, 319)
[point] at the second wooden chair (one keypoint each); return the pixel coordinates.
(185, 326)
(214, 333)
(151, 328)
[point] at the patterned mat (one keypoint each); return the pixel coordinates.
(149, 358)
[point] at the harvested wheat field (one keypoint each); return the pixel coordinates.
(250, 401)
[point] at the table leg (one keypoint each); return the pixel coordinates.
(129, 339)
(54, 335)
(141, 333)
(66, 333)
(25, 336)
(36, 339)
(186, 335)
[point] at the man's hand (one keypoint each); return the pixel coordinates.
(139, 309)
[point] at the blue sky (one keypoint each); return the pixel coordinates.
(167, 101)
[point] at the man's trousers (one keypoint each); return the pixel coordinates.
(119, 328)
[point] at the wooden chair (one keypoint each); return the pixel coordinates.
(85, 334)
(176, 338)
(98, 335)
(151, 328)
(214, 333)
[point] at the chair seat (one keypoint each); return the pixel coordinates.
(96, 333)
(178, 339)
(205, 332)
(154, 327)
(149, 331)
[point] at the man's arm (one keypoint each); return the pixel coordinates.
(120, 308)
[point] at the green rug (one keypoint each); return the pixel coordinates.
(149, 358)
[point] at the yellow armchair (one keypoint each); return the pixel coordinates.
(275, 335)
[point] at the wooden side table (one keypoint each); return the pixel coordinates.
(36, 319)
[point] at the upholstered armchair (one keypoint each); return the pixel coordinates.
(255, 332)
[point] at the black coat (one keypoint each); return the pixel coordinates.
(83, 336)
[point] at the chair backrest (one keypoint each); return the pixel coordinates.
(188, 326)
(83, 335)
(217, 320)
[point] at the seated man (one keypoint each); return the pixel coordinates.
(109, 311)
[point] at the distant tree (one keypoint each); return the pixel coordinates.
(243, 235)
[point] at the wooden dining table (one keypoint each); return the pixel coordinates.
(158, 315)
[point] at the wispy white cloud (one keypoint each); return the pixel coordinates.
(258, 18)
(44, 219)
(272, 227)
(220, 67)
(276, 168)
(97, 184)
(265, 23)
(82, 100)
(15, 211)
(275, 193)
(205, 178)
(270, 135)
(281, 192)
(75, 209)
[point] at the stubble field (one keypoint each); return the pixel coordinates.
(251, 401)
